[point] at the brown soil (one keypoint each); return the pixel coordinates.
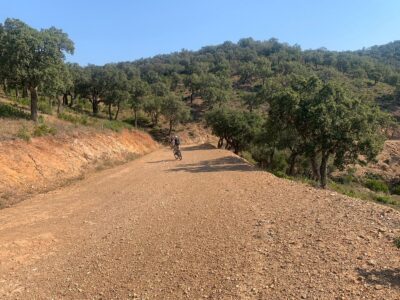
(209, 226)
(48, 162)
(388, 162)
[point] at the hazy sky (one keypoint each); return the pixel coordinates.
(120, 30)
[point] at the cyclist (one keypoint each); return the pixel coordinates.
(176, 142)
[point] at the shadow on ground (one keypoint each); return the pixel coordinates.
(382, 277)
(198, 147)
(160, 161)
(228, 163)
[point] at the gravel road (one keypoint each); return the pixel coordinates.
(207, 227)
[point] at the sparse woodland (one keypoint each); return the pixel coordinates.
(294, 112)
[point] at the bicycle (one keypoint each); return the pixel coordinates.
(177, 153)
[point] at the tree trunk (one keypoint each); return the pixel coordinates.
(135, 112)
(25, 91)
(314, 167)
(116, 114)
(220, 142)
(109, 112)
(95, 105)
(323, 169)
(191, 97)
(271, 156)
(170, 127)
(59, 106)
(156, 119)
(34, 104)
(5, 87)
(65, 99)
(16, 93)
(292, 163)
(71, 103)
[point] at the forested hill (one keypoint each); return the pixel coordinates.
(378, 63)
(301, 112)
(386, 54)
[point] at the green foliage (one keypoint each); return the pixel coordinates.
(174, 110)
(45, 107)
(395, 189)
(31, 57)
(24, 133)
(116, 125)
(377, 185)
(8, 111)
(397, 242)
(237, 128)
(313, 119)
(384, 199)
(76, 119)
(43, 129)
(347, 178)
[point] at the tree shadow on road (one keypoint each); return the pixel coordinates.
(228, 163)
(161, 161)
(382, 277)
(198, 147)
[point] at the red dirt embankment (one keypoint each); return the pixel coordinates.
(48, 162)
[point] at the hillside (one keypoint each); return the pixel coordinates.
(174, 94)
(210, 226)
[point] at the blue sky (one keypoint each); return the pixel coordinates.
(121, 30)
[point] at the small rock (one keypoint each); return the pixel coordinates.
(372, 262)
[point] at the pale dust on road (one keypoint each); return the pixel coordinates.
(209, 226)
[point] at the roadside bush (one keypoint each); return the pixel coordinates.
(8, 111)
(83, 119)
(384, 199)
(45, 107)
(43, 129)
(116, 125)
(377, 185)
(24, 134)
(349, 177)
(397, 242)
(396, 189)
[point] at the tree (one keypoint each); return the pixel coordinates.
(252, 100)
(214, 89)
(138, 89)
(192, 82)
(115, 97)
(32, 56)
(153, 104)
(263, 69)
(115, 85)
(174, 110)
(238, 129)
(57, 86)
(341, 127)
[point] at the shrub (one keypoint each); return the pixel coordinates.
(116, 125)
(395, 188)
(24, 134)
(377, 185)
(397, 242)
(384, 199)
(45, 107)
(8, 111)
(281, 174)
(43, 129)
(83, 120)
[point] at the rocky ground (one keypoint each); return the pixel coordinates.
(207, 227)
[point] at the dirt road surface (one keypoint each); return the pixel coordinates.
(207, 227)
